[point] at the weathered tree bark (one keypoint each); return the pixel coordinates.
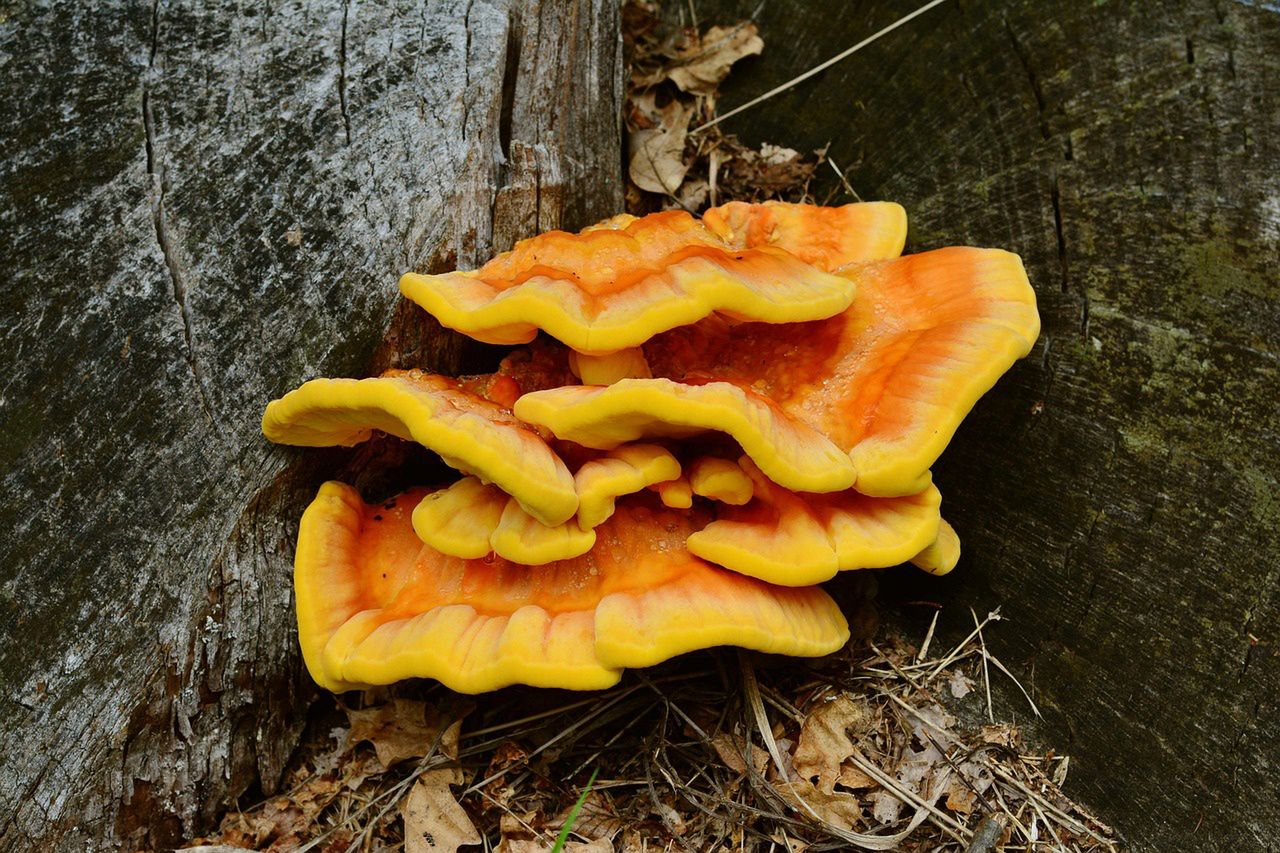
(1117, 493)
(201, 206)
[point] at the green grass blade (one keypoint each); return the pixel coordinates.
(573, 814)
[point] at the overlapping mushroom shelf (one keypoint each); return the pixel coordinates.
(721, 413)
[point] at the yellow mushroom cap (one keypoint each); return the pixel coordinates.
(470, 433)
(942, 554)
(676, 494)
(608, 369)
(789, 451)
(796, 539)
(521, 538)
(827, 237)
(622, 471)
(460, 520)
(470, 519)
(720, 480)
(867, 399)
(376, 606)
(616, 285)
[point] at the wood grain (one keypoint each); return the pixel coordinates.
(1117, 493)
(200, 206)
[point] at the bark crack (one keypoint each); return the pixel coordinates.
(1024, 57)
(342, 72)
(466, 69)
(164, 238)
(1055, 196)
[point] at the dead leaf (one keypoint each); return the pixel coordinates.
(671, 818)
(776, 155)
(852, 777)
(692, 195)
(498, 793)
(885, 807)
(960, 798)
(599, 845)
(400, 729)
(597, 819)
(959, 684)
(793, 845)
(1001, 733)
(824, 740)
(657, 153)
(931, 722)
(963, 789)
(699, 68)
(836, 808)
(433, 819)
(731, 748)
(359, 768)
(534, 845)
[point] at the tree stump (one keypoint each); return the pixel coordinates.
(202, 206)
(1116, 494)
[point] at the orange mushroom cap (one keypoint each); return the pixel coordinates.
(472, 434)
(870, 397)
(376, 606)
(796, 539)
(616, 285)
(827, 237)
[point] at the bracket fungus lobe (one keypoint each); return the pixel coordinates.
(796, 539)
(470, 433)
(720, 480)
(827, 237)
(470, 519)
(943, 553)
(789, 451)
(376, 606)
(615, 285)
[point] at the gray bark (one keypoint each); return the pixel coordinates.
(1117, 493)
(200, 206)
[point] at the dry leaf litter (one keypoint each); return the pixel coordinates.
(884, 746)
(879, 747)
(676, 72)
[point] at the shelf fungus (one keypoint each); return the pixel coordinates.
(827, 237)
(722, 413)
(613, 286)
(470, 519)
(720, 480)
(796, 539)
(471, 433)
(376, 605)
(867, 399)
(943, 553)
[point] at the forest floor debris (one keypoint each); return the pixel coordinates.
(676, 72)
(879, 747)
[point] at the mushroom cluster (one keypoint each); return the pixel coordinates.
(720, 414)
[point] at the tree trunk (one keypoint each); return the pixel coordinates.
(1117, 492)
(203, 205)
